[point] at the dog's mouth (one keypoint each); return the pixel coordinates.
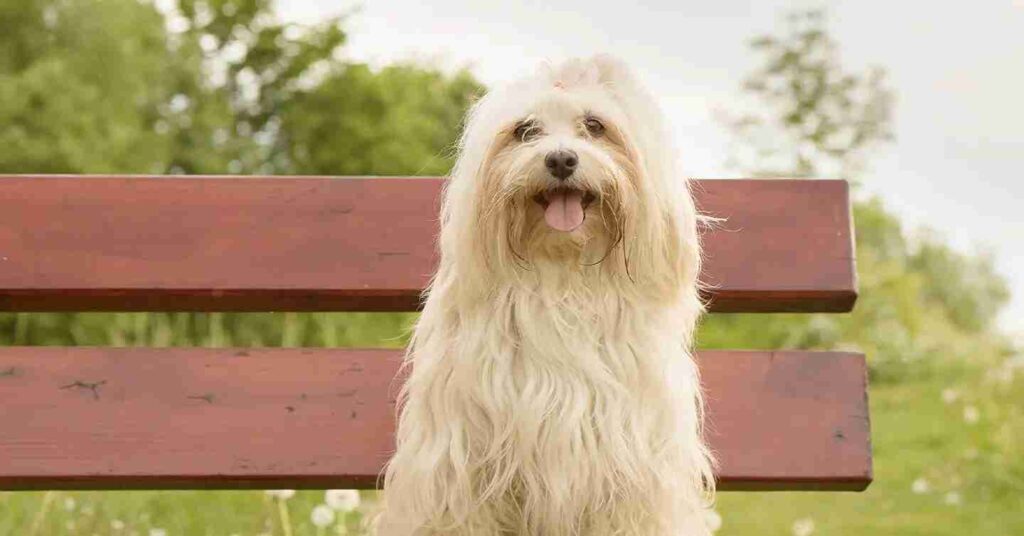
(564, 208)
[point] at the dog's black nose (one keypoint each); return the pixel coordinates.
(561, 163)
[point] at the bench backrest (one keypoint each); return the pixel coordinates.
(100, 418)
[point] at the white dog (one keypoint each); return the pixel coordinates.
(552, 390)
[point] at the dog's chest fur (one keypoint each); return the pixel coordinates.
(573, 396)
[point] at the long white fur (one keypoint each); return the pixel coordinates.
(551, 388)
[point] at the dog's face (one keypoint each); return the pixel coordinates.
(561, 175)
(570, 168)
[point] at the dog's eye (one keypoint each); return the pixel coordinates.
(594, 126)
(526, 131)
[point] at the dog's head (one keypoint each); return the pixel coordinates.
(571, 167)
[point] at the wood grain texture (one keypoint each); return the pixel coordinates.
(105, 418)
(317, 243)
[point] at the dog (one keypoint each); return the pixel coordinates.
(551, 388)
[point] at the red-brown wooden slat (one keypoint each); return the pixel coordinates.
(313, 244)
(102, 418)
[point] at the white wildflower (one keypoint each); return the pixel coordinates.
(69, 503)
(920, 486)
(342, 500)
(971, 414)
(117, 525)
(157, 532)
(322, 516)
(713, 519)
(280, 494)
(953, 498)
(803, 527)
(179, 103)
(950, 395)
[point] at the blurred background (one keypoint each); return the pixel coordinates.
(916, 104)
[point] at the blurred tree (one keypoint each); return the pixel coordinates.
(811, 117)
(918, 297)
(211, 86)
(294, 106)
(400, 120)
(81, 86)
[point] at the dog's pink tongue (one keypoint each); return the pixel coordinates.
(565, 210)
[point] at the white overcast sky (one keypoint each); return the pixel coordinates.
(957, 165)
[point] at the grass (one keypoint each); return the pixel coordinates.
(947, 437)
(205, 513)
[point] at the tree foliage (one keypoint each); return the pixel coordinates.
(214, 86)
(811, 116)
(81, 85)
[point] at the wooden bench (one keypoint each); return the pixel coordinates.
(117, 418)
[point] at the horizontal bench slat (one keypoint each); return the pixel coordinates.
(107, 418)
(318, 244)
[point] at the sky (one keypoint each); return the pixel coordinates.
(956, 166)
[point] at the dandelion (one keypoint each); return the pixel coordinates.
(342, 500)
(803, 527)
(953, 498)
(714, 520)
(920, 486)
(950, 395)
(280, 494)
(157, 532)
(971, 414)
(322, 516)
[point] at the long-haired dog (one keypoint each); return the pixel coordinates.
(552, 389)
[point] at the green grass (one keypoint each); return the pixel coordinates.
(206, 513)
(969, 475)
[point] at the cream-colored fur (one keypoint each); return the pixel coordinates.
(552, 390)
